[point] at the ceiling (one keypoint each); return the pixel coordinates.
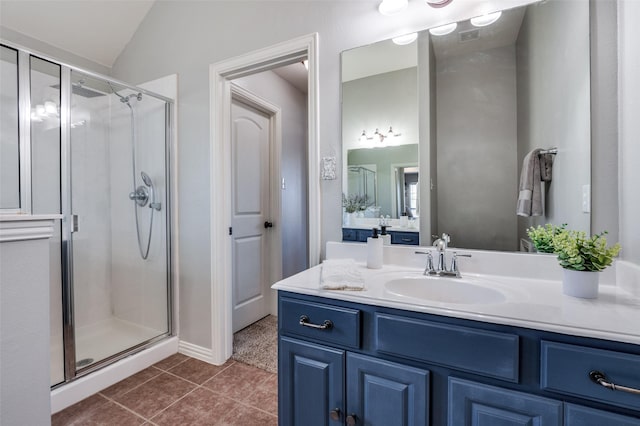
(97, 30)
(296, 74)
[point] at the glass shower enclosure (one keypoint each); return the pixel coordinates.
(96, 151)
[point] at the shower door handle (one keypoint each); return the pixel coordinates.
(74, 223)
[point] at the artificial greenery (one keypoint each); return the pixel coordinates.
(354, 202)
(542, 237)
(578, 252)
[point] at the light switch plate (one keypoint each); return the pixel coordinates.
(586, 198)
(328, 170)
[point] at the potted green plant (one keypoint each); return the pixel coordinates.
(542, 236)
(581, 257)
(352, 204)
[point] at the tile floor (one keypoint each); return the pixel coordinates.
(180, 390)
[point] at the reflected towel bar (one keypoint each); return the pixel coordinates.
(553, 151)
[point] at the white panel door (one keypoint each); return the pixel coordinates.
(250, 142)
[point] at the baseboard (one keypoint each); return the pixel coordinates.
(197, 352)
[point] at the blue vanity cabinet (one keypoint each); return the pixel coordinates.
(382, 366)
(576, 415)
(475, 404)
(383, 393)
(397, 237)
(311, 381)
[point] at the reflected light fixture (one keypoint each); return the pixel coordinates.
(438, 3)
(443, 29)
(484, 20)
(378, 136)
(391, 7)
(405, 39)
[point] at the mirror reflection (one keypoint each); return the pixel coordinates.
(468, 104)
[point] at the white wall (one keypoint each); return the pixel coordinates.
(556, 112)
(186, 37)
(629, 107)
(293, 105)
(476, 148)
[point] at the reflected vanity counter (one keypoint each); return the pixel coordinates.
(404, 236)
(503, 340)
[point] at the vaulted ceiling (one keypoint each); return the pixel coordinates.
(97, 30)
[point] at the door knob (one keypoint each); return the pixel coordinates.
(351, 420)
(268, 224)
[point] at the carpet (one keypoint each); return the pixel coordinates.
(257, 344)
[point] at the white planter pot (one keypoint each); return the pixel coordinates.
(582, 284)
(349, 219)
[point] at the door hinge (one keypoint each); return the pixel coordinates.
(230, 230)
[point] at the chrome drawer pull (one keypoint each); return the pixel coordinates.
(601, 379)
(326, 325)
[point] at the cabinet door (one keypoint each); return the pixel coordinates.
(475, 404)
(576, 415)
(310, 383)
(385, 393)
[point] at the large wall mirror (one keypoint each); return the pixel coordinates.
(438, 129)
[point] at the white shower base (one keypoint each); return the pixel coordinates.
(99, 341)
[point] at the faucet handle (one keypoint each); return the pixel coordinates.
(429, 269)
(454, 262)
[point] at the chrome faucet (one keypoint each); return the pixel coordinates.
(441, 270)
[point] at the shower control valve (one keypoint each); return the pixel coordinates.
(140, 196)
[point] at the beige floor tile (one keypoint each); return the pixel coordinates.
(155, 395)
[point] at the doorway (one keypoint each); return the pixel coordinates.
(222, 75)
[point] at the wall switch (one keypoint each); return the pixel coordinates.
(586, 198)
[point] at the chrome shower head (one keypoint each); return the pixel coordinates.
(146, 179)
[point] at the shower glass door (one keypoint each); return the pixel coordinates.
(118, 220)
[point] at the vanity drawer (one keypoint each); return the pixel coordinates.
(345, 323)
(409, 238)
(349, 234)
(565, 369)
(487, 353)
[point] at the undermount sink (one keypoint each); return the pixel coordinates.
(444, 290)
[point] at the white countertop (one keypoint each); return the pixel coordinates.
(531, 303)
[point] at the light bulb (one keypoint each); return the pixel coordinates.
(363, 137)
(405, 39)
(50, 108)
(484, 20)
(443, 29)
(391, 7)
(438, 3)
(40, 111)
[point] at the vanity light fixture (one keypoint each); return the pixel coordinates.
(484, 20)
(438, 3)
(443, 29)
(391, 7)
(378, 136)
(405, 39)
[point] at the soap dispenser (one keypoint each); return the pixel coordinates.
(386, 238)
(374, 251)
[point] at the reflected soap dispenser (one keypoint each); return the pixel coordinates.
(374, 251)
(386, 238)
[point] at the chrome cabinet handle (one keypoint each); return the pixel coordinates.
(601, 379)
(326, 325)
(334, 414)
